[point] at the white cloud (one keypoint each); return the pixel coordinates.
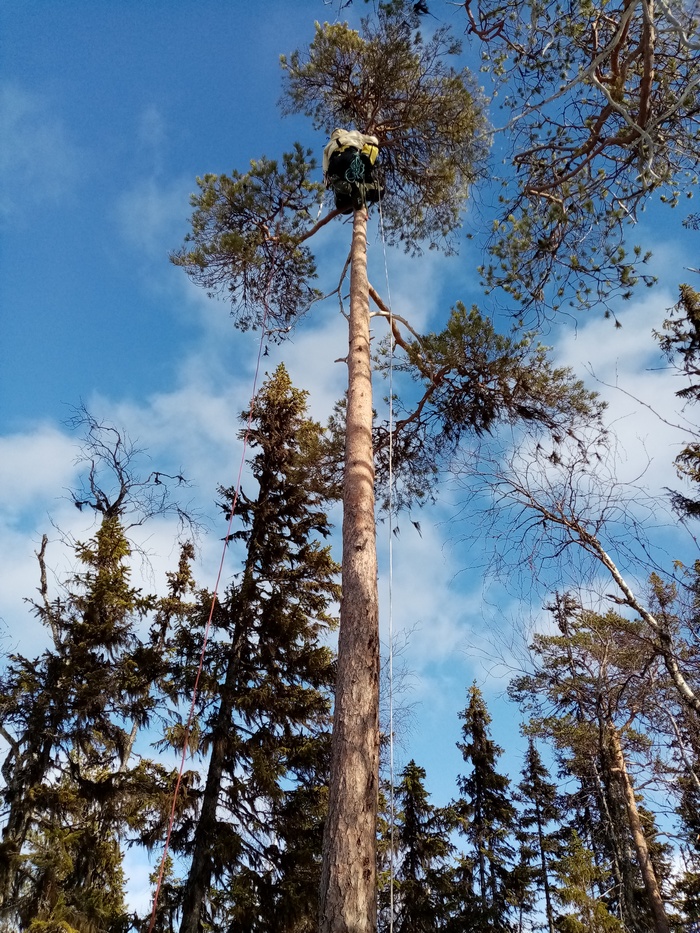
(152, 135)
(21, 629)
(425, 599)
(626, 367)
(35, 467)
(439, 610)
(37, 471)
(151, 214)
(38, 160)
(151, 217)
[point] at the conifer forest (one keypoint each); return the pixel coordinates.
(252, 737)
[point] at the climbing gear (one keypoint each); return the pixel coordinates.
(349, 171)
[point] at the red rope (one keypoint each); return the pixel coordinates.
(188, 728)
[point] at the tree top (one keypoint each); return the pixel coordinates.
(386, 80)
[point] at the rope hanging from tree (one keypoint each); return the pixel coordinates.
(195, 690)
(392, 808)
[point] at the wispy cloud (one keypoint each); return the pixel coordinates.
(151, 216)
(627, 368)
(39, 162)
(152, 135)
(37, 470)
(36, 465)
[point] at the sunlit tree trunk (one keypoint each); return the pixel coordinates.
(646, 866)
(348, 881)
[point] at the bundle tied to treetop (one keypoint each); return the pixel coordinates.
(349, 170)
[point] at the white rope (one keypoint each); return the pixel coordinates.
(391, 577)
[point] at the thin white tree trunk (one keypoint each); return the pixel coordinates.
(348, 879)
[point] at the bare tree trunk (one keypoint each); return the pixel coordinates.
(201, 866)
(549, 909)
(348, 877)
(651, 884)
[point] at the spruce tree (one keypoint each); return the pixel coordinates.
(265, 700)
(687, 888)
(73, 790)
(486, 817)
(539, 820)
(580, 881)
(422, 848)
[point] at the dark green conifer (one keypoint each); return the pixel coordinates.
(687, 889)
(539, 833)
(486, 818)
(580, 881)
(422, 876)
(72, 790)
(263, 713)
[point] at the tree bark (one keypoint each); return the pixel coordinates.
(646, 867)
(549, 911)
(201, 866)
(348, 876)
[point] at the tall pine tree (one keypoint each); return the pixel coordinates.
(588, 697)
(249, 239)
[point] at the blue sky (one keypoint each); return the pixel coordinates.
(108, 112)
